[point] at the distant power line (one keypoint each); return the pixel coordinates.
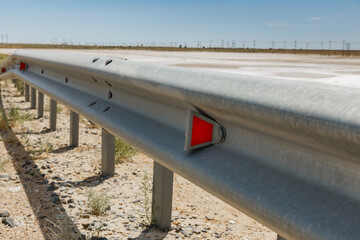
(222, 43)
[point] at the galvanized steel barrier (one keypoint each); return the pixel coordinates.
(286, 153)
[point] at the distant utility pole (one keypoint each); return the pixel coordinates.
(222, 43)
(6, 37)
(343, 48)
(272, 44)
(243, 44)
(254, 45)
(295, 43)
(2, 38)
(348, 45)
(284, 46)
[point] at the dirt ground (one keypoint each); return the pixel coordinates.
(48, 183)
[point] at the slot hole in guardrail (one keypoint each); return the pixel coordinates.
(95, 59)
(109, 94)
(108, 62)
(106, 109)
(27, 66)
(92, 104)
(108, 83)
(66, 80)
(95, 80)
(42, 71)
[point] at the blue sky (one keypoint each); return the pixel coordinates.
(141, 21)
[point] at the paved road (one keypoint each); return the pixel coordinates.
(344, 71)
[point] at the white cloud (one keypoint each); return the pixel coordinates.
(314, 18)
(278, 24)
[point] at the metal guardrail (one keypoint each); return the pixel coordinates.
(290, 158)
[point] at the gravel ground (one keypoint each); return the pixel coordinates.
(44, 188)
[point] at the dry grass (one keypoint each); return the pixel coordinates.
(3, 163)
(3, 57)
(123, 151)
(3, 121)
(20, 86)
(97, 203)
(143, 207)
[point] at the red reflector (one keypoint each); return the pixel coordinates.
(3, 70)
(22, 66)
(202, 131)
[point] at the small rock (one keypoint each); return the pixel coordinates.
(232, 222)
(208, 217)
(86, 216)
(185, 233)
(54, 185)
(14, 189)
(4, 175)
(8, 221)
(4, 214)
(13, 177)
(56, 200)
(85, 225)
(72, 205)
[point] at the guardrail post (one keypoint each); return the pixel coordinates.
(27, 93)
(280, 237)
(162, 196)
(74, 129)
(33, 98)
(40, 112)
(53, 112)
(107, 153)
